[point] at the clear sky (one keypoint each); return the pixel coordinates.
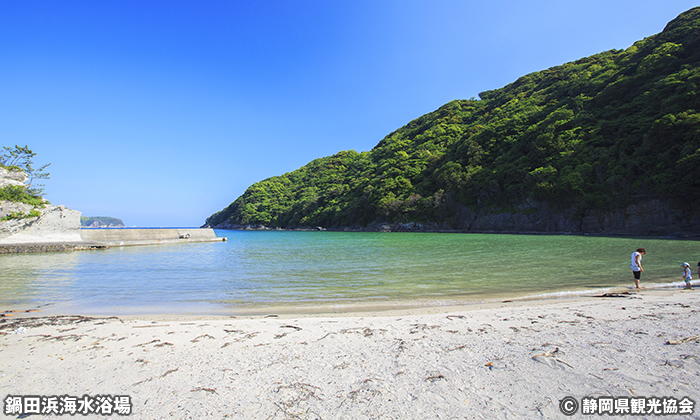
(163, 112)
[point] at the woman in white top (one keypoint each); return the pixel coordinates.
(636, 265)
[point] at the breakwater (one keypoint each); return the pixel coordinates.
(105, 238)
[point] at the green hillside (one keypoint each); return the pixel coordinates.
(598, 133)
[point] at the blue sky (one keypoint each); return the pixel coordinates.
(162, 112)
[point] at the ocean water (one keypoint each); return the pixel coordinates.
(278, 271)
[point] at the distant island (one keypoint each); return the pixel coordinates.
(608, 144)
(100, 222)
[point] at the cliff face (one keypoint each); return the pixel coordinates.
(14, 178)
(650, 217)
(56, 224)
(53, 223)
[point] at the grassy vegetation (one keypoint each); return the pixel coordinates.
(597, 133)
(20, 215)
(19, 194)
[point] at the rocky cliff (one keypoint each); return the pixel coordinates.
(22, 222)
(649, 217)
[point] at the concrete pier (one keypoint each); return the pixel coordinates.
(105, 238)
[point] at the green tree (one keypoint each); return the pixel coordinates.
(22, 158)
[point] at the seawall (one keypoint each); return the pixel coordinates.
(125, 237)
(105, 238)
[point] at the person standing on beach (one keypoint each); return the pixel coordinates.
(636, 265)
(687, 277)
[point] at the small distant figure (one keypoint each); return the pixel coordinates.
(636, 265)
(686, 275)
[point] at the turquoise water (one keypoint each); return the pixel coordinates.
(258, 271)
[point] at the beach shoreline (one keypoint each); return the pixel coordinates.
(499, 360)
(416, 306)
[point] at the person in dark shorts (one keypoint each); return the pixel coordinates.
(636, 265)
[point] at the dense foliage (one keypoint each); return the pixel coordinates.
(599, 132)
(19, 194)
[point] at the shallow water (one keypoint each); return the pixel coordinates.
(258, 270)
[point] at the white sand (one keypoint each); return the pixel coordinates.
(422, 364)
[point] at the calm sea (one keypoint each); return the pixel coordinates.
(277, 271)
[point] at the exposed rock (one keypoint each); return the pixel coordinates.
(56, 224)
(650, 217)
(11, 177)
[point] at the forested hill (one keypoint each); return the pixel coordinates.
(585, 146)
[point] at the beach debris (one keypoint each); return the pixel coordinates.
(12, 324)
(66, 337)
(291, 326)
(20, 330)
(365, 331)
(553, 355)
(145, 344)
(150, 326)
(415, 328)
(144, 381)
(463, 346)
(364, 394)
(196, 339)
(294, 327)
(294, 400)
(438, 377)
(548, 354)
(168, 372)
(451, 317)
(616, 295)
(489, 365)
(209, 390)
(683, 340)
(67, 329)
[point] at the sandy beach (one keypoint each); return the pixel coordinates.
(505, 360)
